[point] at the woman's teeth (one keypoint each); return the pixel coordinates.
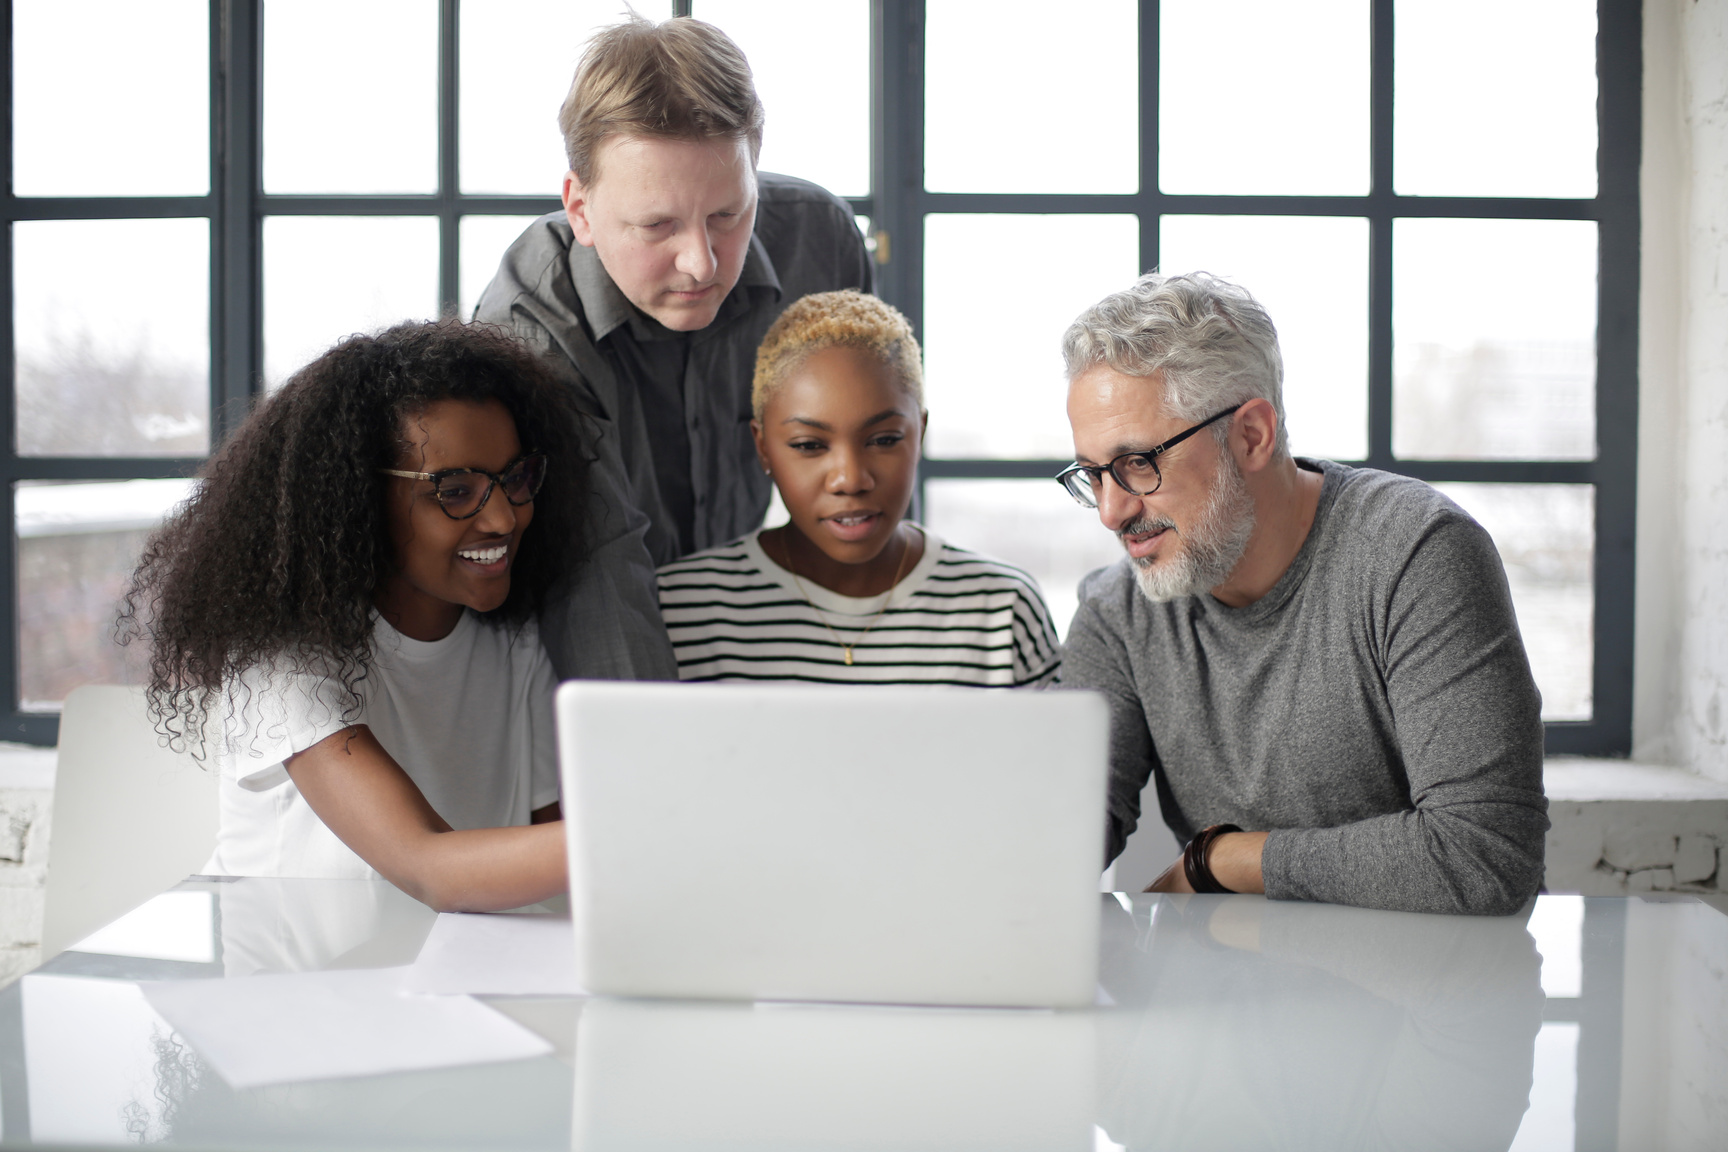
(484, 555)
(852, 519)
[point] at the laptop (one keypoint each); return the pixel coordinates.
(869, 844)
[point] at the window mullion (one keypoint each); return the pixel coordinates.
(1619, 56)
(897, 161)
(449, 175)
(236, 171)
(15, 724)
(897, 164)
(1149, 197)
(1381, 204)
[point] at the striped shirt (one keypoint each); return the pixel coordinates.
(957, 618)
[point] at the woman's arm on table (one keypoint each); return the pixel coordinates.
(369, 802)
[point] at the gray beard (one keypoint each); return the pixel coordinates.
(1208, 551)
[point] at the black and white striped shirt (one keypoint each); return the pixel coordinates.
(957, 618)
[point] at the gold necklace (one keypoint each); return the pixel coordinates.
(846, 649)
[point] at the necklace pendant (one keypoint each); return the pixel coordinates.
(848, 652)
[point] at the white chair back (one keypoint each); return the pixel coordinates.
(130, 817)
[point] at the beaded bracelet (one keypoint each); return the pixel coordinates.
(1194, 865)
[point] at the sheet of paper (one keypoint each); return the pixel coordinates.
(520, 954)
(278, 1029)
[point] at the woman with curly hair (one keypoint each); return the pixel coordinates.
(343, 614)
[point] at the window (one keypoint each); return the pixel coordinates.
(1456, 291)
(1452, 266)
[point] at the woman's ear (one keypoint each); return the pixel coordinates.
(761, 450)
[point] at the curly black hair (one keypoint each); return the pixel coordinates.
(277, 554)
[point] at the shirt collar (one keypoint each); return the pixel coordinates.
(606, 307)
(603, 302)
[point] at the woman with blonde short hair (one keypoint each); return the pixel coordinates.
(849, 591)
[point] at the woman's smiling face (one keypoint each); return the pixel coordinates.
(445, 565)
(842, 437)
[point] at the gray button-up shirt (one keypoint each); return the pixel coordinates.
(656, 495)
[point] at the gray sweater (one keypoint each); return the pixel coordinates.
(1374, 711)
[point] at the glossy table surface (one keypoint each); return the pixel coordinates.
(1223, 1022)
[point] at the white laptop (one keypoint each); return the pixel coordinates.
(878, 845)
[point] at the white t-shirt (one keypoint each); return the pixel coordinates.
(468, 717)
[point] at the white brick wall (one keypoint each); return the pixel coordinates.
(1681, 675)
(1621, 828)
(1703, 719)
(26, 804)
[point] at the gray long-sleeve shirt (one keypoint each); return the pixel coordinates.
(1374, 711)
(656, 494)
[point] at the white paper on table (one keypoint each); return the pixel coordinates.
(523, 954)
(279, 1029)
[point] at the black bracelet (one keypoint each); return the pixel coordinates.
(1194, 865)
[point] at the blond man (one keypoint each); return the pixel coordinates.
(650, 292)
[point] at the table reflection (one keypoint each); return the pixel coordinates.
(662, 1075)
(105, 1069)
(272, 925)
(100, 1067)
(1224, 1022)
(1242, 1023)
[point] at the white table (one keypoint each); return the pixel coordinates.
(1224, 1022)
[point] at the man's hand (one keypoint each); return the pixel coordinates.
(1235, 862)
(1172, 879)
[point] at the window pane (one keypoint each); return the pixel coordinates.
(1546, 534)
(113, 332)
(484, 239)
(77, 544)
(328, 276)
(1494, 353)
(1557, 925)
(1027, 97)
(1263, 96)
(111, 98)
(868, 231)
(999, 291)
(518, 58)
(825, 139)
(1495, 98)
(1311, 273)
(1032, 524)
(1551, 1119)
(351, 96)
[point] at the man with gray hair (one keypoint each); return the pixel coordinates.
(1318, 665)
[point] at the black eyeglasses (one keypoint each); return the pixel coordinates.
(462, 492)
(1136, 472)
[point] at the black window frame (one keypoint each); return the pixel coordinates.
(902, 204)
(237, 204)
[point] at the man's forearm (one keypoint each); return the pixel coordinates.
(1234, 860)
(1482, 860)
